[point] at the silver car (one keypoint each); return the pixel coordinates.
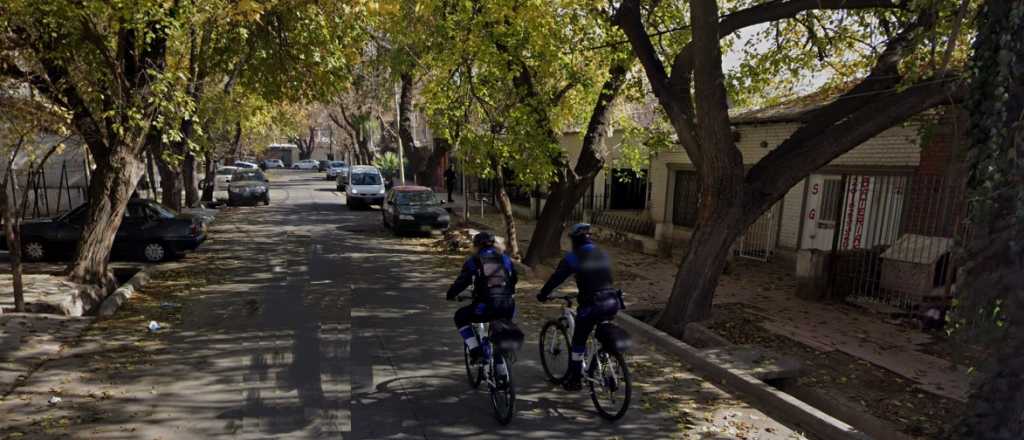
(334, 168)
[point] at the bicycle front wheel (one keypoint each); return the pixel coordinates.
(610, 385)
(474, 372)
(503, 392)
(554, 350)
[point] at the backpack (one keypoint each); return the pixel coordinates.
(493, 279)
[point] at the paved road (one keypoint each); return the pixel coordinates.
(327, 327)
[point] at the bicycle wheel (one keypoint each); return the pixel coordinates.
(554, 350)
(503, 391)
(610, 385)
(475, 373)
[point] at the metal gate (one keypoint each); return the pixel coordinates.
(894, 241)
(759, 240)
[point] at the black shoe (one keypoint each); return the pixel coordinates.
(573, 382)
(476, 355)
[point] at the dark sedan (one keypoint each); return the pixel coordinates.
(248, 187)
(414, 209)
(148, 230)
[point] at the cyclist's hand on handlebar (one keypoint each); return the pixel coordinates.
(542, 297)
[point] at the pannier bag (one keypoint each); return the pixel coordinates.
(613, 337)
(506, 335)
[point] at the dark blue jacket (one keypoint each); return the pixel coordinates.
(470, 270)
(591, 267)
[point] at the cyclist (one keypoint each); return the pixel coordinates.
(493, 278)
(598, 299)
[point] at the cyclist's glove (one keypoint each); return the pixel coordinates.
(542, 297)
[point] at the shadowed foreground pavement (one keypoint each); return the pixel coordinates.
(323, 325)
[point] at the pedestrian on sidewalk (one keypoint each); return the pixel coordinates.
(449, 181)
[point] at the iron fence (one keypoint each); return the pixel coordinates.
(894, 237)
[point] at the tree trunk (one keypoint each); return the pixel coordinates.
(694, 286)
(405, 114)
(545, 244)
(236, 149)
(505, 205)
(722, 216)
(109, 190)
(149, 174)
(8, 204)
(208, 177)
(170, 184)
(190, 180)
(992, 289)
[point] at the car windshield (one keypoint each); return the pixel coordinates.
(337, 164)
(161, 210)
(247, 177)
(366, 179)
(417, 198)
(225, 171)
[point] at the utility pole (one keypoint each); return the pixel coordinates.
(398, 134)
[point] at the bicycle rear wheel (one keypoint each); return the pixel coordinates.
(554, 350)
(610, 385)
(474, 372)
(503, 392)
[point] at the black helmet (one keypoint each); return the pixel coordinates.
(483, 239)
(579, 231)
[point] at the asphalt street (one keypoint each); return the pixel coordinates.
(351, 338)
(322, 324)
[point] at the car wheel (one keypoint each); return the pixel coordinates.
(155, 252)
(266, 201)
(33, 250)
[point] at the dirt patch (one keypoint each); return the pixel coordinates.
(873, 389)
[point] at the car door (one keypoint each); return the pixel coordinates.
(68, 230)
(130, 235)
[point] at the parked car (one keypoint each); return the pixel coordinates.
(365, 187)
(341, 181)
(248, 187)
(334, 168)
(246, 165)
(306, 164)
(273, 163)
(148, 230)
(322, 165)
(220, 182)
(414, 209)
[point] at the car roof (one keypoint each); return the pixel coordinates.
(364, 168)
(411, 188)
(227, 167)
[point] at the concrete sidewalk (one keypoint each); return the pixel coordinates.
(768, 289)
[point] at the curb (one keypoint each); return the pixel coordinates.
(761, 395)
(121, 295)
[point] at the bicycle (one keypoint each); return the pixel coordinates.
(495, 368)
(606, 373)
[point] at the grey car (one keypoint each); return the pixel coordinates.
(248, 187)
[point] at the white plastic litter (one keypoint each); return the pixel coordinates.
(154, 326)
(54, 400)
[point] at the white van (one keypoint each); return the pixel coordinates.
(365, 186)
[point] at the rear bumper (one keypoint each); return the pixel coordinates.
(369, 199)
(417, 226)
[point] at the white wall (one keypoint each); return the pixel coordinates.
(896, 147)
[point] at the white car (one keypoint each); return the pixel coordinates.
(221, 181)
(246, 165)
(273, 163)
(334, 168)
(305, 164)
(365, 187)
